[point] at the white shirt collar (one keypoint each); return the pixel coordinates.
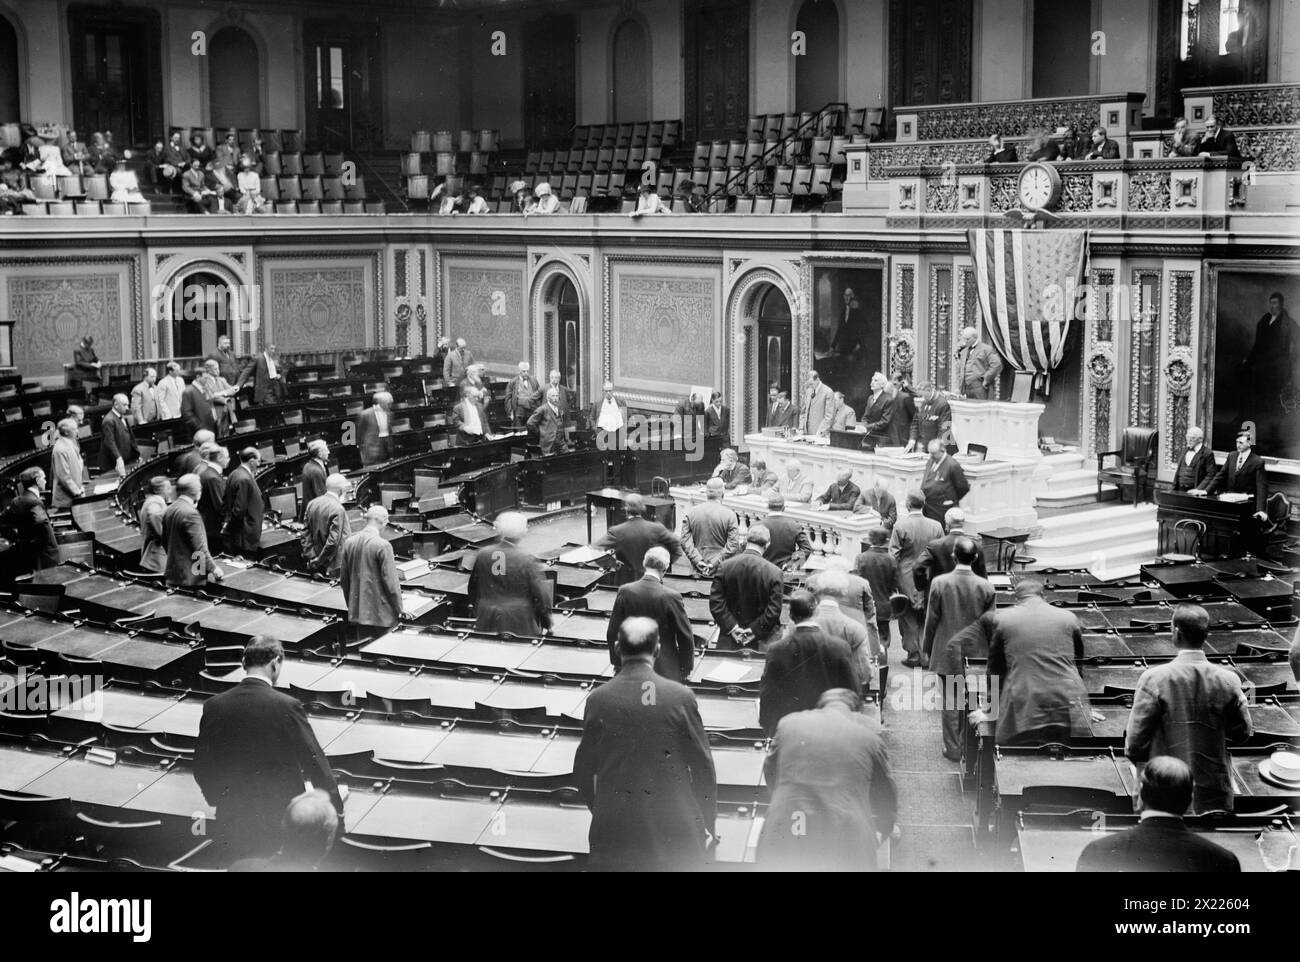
(1157, 813)
(1192, 654)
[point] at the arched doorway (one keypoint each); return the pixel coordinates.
(568, 333)
(817, 71)
(775, 344)
(234, 79)
(10, 102)
(630, 66)
(201, 308)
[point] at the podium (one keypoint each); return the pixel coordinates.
(1008, 429)
(1227, 523)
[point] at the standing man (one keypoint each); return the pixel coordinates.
(212, 481)
(254, 752)
(326, 528)
(644, 767)
(144, 400)
(191, 460)
(978, 366)
(506, 585)
(900, 429)
(717, 417)
(565, 400)
(609, 415)
(34, 543)
(227, 362)
(220, 393)
(244, 507)
(710, 532)
(1197, 465)
(153, 544)
(842, 495)
(817, 405)
(457, 364)
(1242, 473)
(843, 417)
(909, 539)
(549, 421)
(745, 599)
(933, 419)
(267, 375)
(470, 417)
(315, 471)
(67, 466)
(523, 394)
(116, 442)
(168, 392)
(782, 413)
(373, 436)
(649, 598)
(197, 411)
(189, 562)
(878, 499)
(956, 600)
(878, 417)
(1190, 709)
(631, 540)
(368, 574)
(880, 570)
(440, 355)
(944, 483)
(802, 666)
(788, 543)
(85, 363)
(940, 556)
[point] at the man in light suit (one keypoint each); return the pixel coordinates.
(878, 416)
(710, 532)
(833, 797)
(1197, 465)
(373, 434)
(631, 540)
(326, 528)
(644, 767)
(649, 598)
(244, 507)
(66, 466)
(796, 486)
(956, 600)
(315, 471)
(1160, 842)
(506, 585)
(168, 391)
(746, 596)
(878, 499)
(818, 403)
(843, 417)
(153, 544)
(788, 543)
(457, 363)
(907, 543)
(802, 666)
(368, 574)
(116, 442)
(828, 587)
(1190, 709)
(978, 366)
(523, 394)
(842, 495)
(144, 402)
(944, 483)
(548, 419)
(1034, 653)
(189, 562)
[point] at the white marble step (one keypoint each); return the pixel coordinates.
(1120, 560)
(1073, 496)
(1127, 537)
(1088, 523)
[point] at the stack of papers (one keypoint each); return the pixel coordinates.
(1235, 497)
(581, 556)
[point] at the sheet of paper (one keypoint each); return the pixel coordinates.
(583, 555)
(106, 488)
(1000, 581)
(728, 671)
(412, 604)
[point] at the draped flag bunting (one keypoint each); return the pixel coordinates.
(1027, 281)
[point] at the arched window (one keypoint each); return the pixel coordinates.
(630, 70)
(775, 342)
(817, 71)
(234, 79)
(10, 103)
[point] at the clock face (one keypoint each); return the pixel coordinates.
(1036, 187)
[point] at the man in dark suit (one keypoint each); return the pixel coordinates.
(191, 460)
(506, 585)
(944, 483)
(197, 411)
(189, 562)
(1160, 842)
(227, 361)
(933, 419)
(523, 394)
(956, 600)
(878, 417)
(212, 481)
(879, 569)
(267, 374)
(649, 598)
(1102, 147)
(34, 545)
(782, 414)
(717, 418)
(788, 543)
(842, 495)
(254, 753)
(457, 363)
(565, 399)
(1190, 709)
(803, 665)
(1217, 142)
(745, 599)
(833, 798)
(978, 365)
(878, 499)
(440, 356)
(315, 470)
(1242, 473)
(908, 541)
(1197, 466)
(85, 363)
(631, 540)
(326, 528)
(244, 507)
(733, 471)
(308, 829)
(939, 556)
(373, 434)
(116, 442)
(548, 419)
(900, 429)
(368, 574)
(644, 767)
(998, 154)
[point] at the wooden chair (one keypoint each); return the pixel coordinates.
(1137, 458)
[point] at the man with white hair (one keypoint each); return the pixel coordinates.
(368, 574)
(469, 417)
(710, 532)
(731, 469)
(649, 598)
(1197, 465)
(326, 528)
(144, 400)
(372, 433)
(315, 470)
(116, 442)
(828, 587)
(978, 366)
(549, 422)
(457, 363)
(66, 466)
(842, 495)
(878, 415)
(167, 392)
(506, 585)
(554, 383)
(523, 394)
(609, 414)
(191, 462)
(796, 487)
(938, 558)
(818, 404)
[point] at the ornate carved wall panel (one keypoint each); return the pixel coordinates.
(322, 302)
(1180, 369)
(941, 339)
(1144, 348)
(483, 301)
(716, 42)
(1099, 364)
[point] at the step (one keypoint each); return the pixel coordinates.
(1099, 536)
(1074, 496)
(1072, 478)
(1119, 560)
(1089, 522)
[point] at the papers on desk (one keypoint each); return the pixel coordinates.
(1000, 581)
(11, 863)
(1235, 497)
(236, 563)
(415, 604)
(106, 488)
(583, 555)
(406, 570)
(729, 671)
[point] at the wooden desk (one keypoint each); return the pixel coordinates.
(1227, 523)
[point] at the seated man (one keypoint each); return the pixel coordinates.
(731, 469)
(796, 486)
(842, 495)
(998, 154)
(761, 478)
(1102, 147)
(878, 499)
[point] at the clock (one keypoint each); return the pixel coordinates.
(1039, 187)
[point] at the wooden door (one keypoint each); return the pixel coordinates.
(717, 69)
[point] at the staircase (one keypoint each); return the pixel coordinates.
(1067, 481)
(1118, 538)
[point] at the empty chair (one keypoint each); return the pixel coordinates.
(784, 181)
(417, 188)
(820, 152)
(802, 183)
(355, 191)
(654, 134)
(672, 134)
(856, 122)
(756, 128)
(617, 181)
(653, 155)
(605, 159)
(139, 208)
(374, 207)
(290, 188)
(744, 204)
(331, 207)
(291, 141)
(291, 163)
(88, 208)
(96, 187)
(717, 180)
(309, 206)
(271, 188)
(701, 158)
(679, 178)
(420, 141)
(354, 207)
(313, 164)
(532, 162)
(599, 185)
(37, 209)
(718, 151)
(286, 207)
(589, 158)
(271, 163)
(70, 186)
(639, 133)
(837, 156)
(113, 208)
(789, 123)
(42, 188)
(735, 153)
(753, 150)
(762, 205)
(410, 165)
(583, 186)
(568, 186)
(821, 181)
(619, 159)
(782, 205)
(609, 137)
(311, 187)
(667, 180)
(61, 208)
(333, 187)
(626, 207)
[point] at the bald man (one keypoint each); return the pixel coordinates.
(116, 443)
(978, 366)
(710, 532)
(506, 584)
(326, 528)
(189, 562)
(649, 598)
(368, 575)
